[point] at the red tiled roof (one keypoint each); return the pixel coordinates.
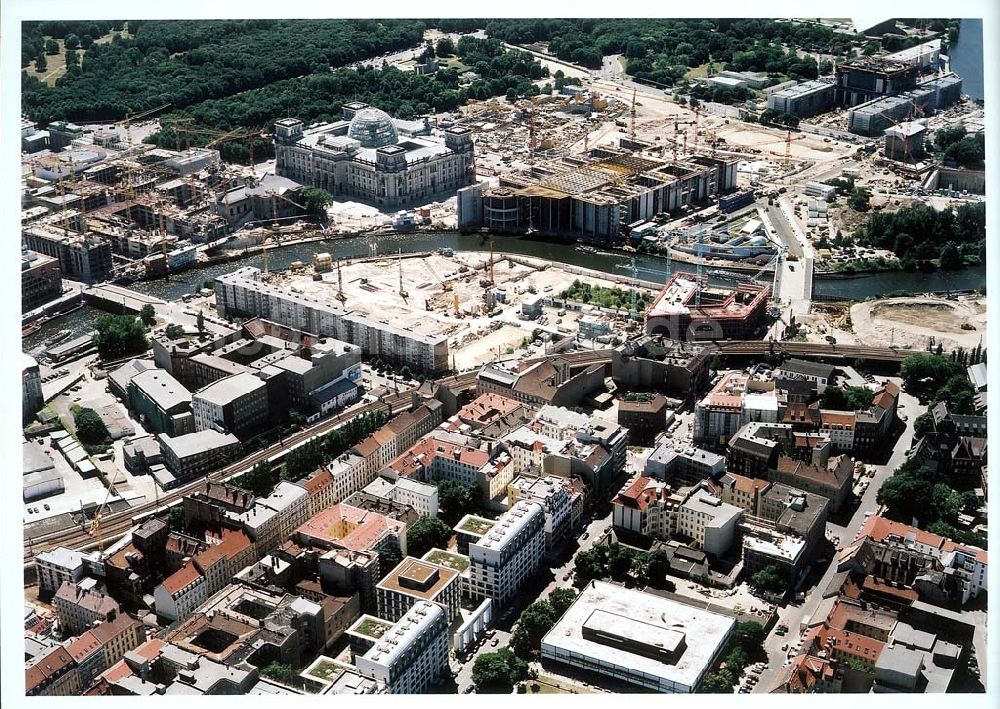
(112, 628)
(349, 527)
(425, 451)
(234, 542)
(117, 672)
(181, 579)
(979, 554)
(317, 481)
(640, 493)
(845, 419)
(486, 408)
(879, 528)
(50, 665)
(84, 645)
(847, 642)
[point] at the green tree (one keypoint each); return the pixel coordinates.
(589, 565)
(720, 682)
(849, 398)
(41, 64)
(148, 314)
(770, 578)
(389, 559)
(946, 137)
(281, 672)
(950, 259)
(316, 200)
(119, 336)
(859, 200)
(561, 599)
(175, 518)
(72, 41)
(86, 41)
(90, 428)
(497, 672)
(174, 331)
(749, 635)
(445, 47)
(425, 534)
(260, 479)
(201, 322)
(51, 47)
(457, 500)
(303, 460)
(535, 621)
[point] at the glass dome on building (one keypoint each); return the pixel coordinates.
(373, 128)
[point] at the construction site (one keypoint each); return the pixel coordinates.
(486, 305)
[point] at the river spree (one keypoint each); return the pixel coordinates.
(648, 268)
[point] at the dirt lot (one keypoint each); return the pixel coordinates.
(911, 321)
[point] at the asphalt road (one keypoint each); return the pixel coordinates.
(793, 614)
(560, 579)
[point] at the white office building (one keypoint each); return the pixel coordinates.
(644, 639)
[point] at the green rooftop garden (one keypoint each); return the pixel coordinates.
(456, 562)
(373, 627)
(324, 670)
(476, 525)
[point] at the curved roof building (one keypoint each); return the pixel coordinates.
(373, 128)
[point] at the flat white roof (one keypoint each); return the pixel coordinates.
(662, 621)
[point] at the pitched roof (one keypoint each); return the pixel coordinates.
(845, 419)
(83, 646)
(181, 579)
(641, 493)
(50, 665)
(847, 642)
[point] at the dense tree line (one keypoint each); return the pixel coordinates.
(918, 234)
(185, 62)
(118, 336)
(661, 50)
(925, 492)
(935, 378)
(625, 564)
(745, 644)
(306, 458)
(319, 97)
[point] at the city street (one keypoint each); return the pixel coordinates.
(792, 614)
(504, 624)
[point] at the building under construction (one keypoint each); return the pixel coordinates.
(595, 196)
(688, 308)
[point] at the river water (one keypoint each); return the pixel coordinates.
(648, 268)
(967, 57)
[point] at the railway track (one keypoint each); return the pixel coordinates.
(115, 524)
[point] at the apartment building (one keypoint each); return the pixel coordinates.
(415, 580)
(412, 654)
(554, 494)
(81, 604)
(237, 404)
(708, 521)
(509, 554)
(243, 293)
(41, 280)
(194, 454)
